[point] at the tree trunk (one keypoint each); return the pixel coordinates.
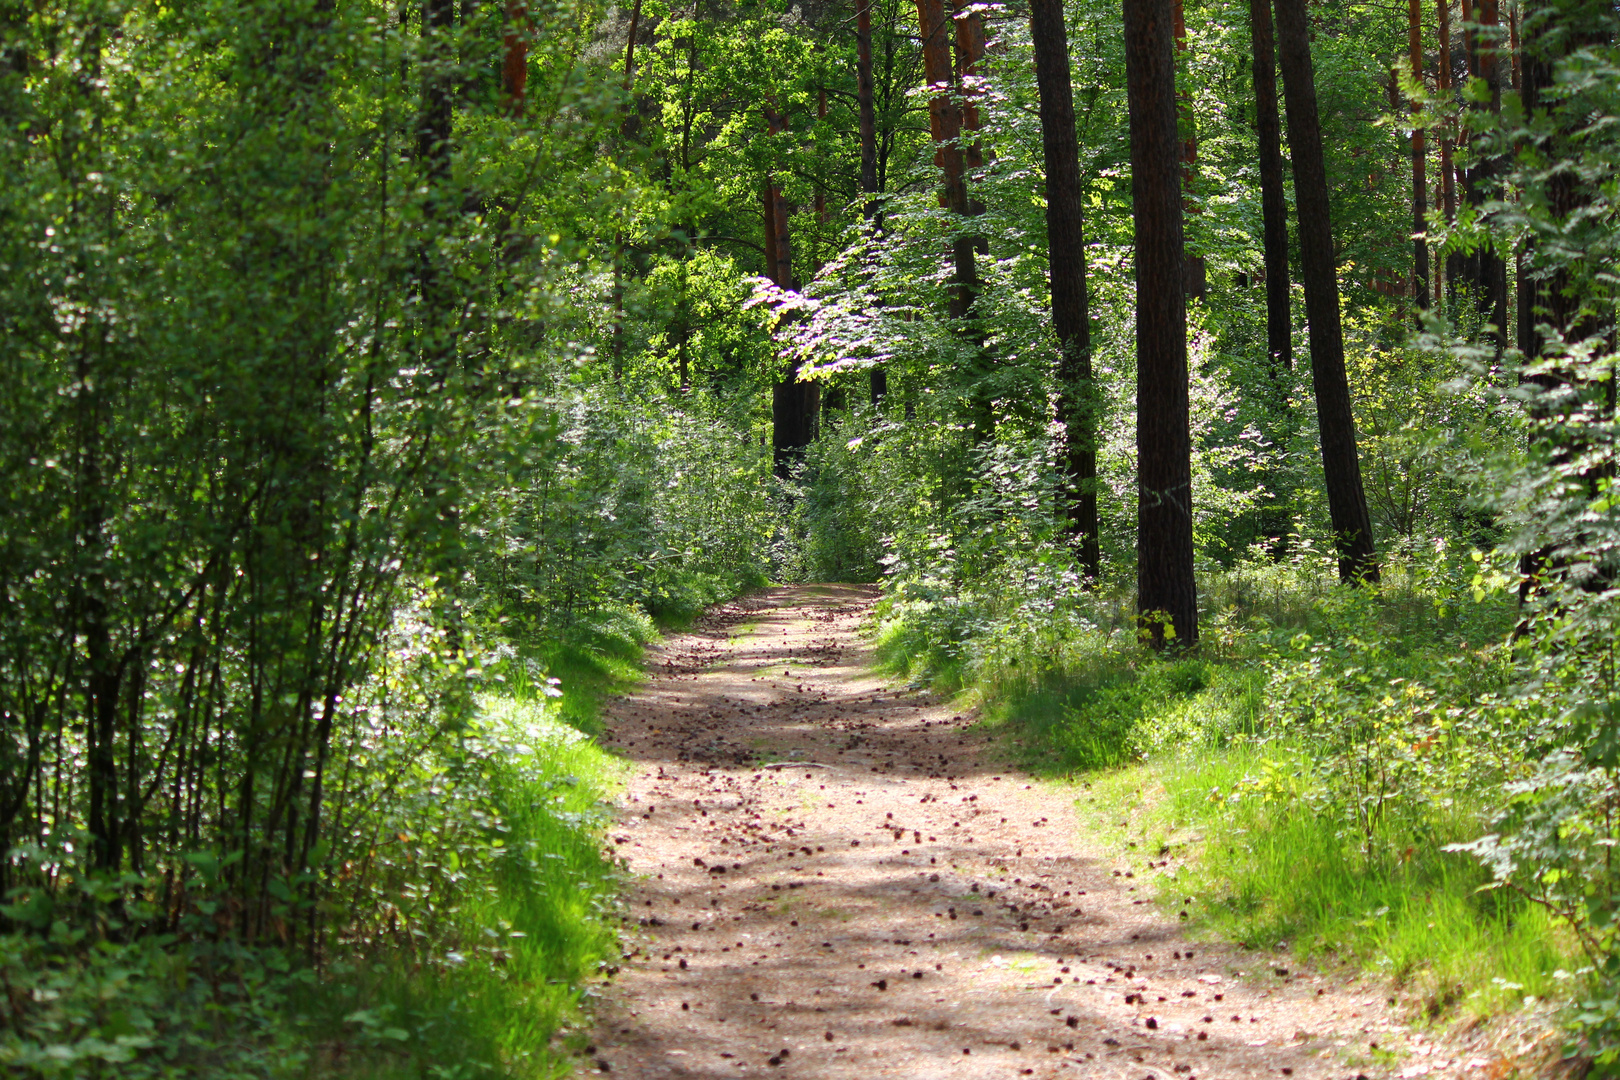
(1448, 176)
(1492, 266)
(433, 127)
(863, 104)
(1066, 260)
(1341, 468)
(515, 56)
(969, 51)
(1273, 201)
(1195, 280)
(627, 130)
(1167, 597)
(1420, 182)
(945, 125)
(879, 379)
(794, 403)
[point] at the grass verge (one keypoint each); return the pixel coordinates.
(1302, 774)
(538, 924)
(531, 935)
(1276, 875)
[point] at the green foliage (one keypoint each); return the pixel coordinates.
(623, 504)
(1311, 766)
(494, 960)
(1265, 869)
(324, 357)
(153, 1007)
(476, 911)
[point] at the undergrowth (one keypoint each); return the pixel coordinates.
(492, 914)
(1304, 772)
(532, 935)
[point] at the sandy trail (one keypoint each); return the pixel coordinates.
(837, 879)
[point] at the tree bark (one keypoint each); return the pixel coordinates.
(433, 126)
(1167, 598)
(1492, 266)
(1273, 201)
(878, 379)
(864, 106)
(628, 129)
(1066, 261)
(1341, 467)
(945, 126)
(515, 56)
(1420, 182)
(1448, 176)
(969, 51)
(795, 403)
(1195, 280)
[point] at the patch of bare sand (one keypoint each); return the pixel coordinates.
(837, 879)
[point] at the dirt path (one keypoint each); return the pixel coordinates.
(837, 879)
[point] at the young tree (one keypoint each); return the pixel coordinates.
(1341, 467)
(1066, 263)
(1167, 598)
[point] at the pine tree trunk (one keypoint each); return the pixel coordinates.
(1195, 280)
(1167, 597)
(1273, 200)
(945, 126)
(863, 104)
(795, 403)
(969, 51)
(879, 379)
(515, 56)
(1448, 175)
(1066, 259)
(1341, 467)
(1420, 182)
(1492, 266)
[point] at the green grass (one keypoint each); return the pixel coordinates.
(534, 932)
(597, 658)
(1112, 714)
(1271, 873)
(1239, 761)
(536, 924)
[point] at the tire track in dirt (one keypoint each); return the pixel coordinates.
(837, 879)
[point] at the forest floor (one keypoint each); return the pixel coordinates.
(834, 877)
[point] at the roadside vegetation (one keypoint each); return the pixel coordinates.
(1316, 780)
(376, 378)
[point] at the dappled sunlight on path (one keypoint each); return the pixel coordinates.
(837, 879)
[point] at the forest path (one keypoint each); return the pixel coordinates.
(896, 902)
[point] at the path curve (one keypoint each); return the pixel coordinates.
(836, 879)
